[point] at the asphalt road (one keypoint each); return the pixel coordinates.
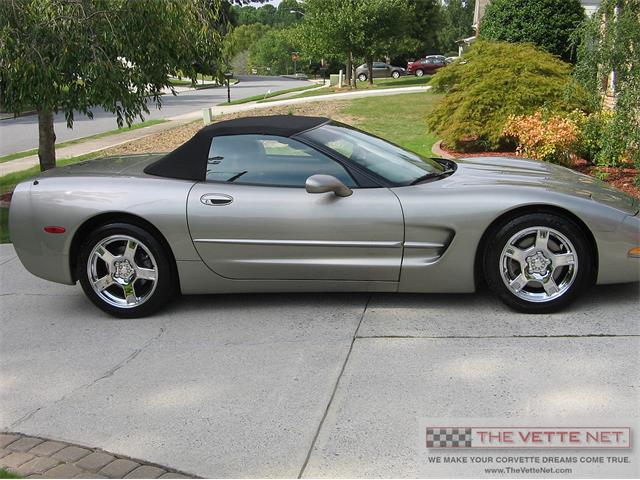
(22, 133)
(324, 385)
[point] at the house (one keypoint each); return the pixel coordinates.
(478, 13)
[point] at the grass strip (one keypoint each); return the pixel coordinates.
(34, 151)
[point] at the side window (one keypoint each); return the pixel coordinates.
(379, 65)
(268, 160)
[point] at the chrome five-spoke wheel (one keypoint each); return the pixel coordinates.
(538, 264)
(126, 270)
(122, 270)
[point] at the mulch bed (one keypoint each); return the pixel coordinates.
(623, 178)
(5, 199)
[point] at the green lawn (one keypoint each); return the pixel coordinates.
(4, 238)
(4, 473)
(28, 153)
(399, 118)
(176, 82)
(260, 98)
(379, 83)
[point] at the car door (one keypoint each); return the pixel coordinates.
(381, 70)
(253, 218)
(428, 65)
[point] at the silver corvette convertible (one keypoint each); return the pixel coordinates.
(288, 203)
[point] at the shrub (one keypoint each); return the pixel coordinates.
(548, 24)
(552, 139)
(593, 133)
(496, 80)
(611, 43)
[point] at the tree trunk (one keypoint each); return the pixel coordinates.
(46, 140)
(370, 69)
(354, 67)
(348, 72)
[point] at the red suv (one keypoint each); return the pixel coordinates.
(427, 65)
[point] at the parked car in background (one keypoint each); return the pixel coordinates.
(449, 60)
(380, 70)
(428, 65)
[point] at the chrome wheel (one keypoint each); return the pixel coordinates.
(122, 271)
(362, 77)
(419, 73)
(538, 264)
(395, 74)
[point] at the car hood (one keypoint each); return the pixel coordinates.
(519, 172)
(128, 165)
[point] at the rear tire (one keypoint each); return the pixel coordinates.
(125, 271)
(538, 263)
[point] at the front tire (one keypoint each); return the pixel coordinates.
(362, 77)
(395, 74)
(538, 263)
(419, 73)
(125, 271)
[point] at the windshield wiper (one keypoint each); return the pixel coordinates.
(237, 176)
(432, 175)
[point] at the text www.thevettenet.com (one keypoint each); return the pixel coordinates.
(526, 470)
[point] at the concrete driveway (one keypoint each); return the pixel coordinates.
(318, 385)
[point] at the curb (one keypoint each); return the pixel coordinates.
(38, 457)
(437, 150)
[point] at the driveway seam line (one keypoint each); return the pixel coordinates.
(335, 389)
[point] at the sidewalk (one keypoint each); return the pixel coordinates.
(35, 457)
(99, 144)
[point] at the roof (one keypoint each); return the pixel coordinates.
(189, 160)
(281, 125)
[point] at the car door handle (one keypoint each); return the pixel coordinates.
(216, 199)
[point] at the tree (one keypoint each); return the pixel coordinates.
(237, 43)
(549, 24)
(351, 29)
(326, 30)
(497, 80)
(380, 27)
(272, 52)
(266, 14)
(73, 55)
(609, 54)
(287, 13)
(457, 19)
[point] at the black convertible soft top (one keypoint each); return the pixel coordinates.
(189, 160)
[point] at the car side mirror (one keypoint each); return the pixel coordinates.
(327, 183)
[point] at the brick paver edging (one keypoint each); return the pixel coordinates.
(35, 457)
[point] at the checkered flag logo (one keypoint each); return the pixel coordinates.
(448, 437)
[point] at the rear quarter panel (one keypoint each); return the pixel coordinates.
(71, 201)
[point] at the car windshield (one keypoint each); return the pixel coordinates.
(387, 160)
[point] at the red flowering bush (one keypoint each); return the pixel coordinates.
(552, 139)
